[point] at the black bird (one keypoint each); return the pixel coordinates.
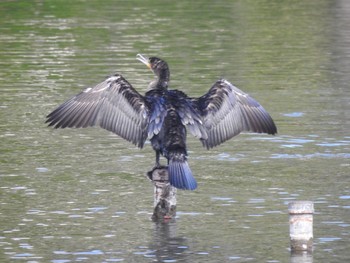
(162, 116)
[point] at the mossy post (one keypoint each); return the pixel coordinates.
(301, 225)
(164, 194)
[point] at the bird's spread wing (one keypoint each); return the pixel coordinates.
(112, 104)
(188, 113)
(227, 111)
(192, 120)
(158, 112)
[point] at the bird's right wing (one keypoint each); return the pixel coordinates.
(227, 111)
(112, 104)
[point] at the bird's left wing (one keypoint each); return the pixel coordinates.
(112, 104)
(227, 111)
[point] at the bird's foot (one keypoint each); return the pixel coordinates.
(158, 166)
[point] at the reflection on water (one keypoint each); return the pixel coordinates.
(82, 195)
(166, 245)
(301, 257)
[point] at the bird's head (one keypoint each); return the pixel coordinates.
(158, 66)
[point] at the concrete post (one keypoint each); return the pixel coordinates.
(301, 225)
(164, 194)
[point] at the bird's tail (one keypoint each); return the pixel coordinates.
(180, 174)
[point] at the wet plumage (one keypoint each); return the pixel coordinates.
(163, 116)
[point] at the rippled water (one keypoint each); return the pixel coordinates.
(82, 196)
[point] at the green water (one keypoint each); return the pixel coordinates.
(81, 195)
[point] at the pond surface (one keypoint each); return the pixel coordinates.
(80, 195)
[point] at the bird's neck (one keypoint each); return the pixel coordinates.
(161, 82)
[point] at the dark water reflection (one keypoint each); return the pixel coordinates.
(81, 195)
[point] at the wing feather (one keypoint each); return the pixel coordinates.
(187, 111)
(112, 104)
(227, 111)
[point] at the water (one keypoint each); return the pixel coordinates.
(81, 195)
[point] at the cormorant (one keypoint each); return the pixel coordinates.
(162, 116)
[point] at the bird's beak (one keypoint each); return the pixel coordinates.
(144, 60)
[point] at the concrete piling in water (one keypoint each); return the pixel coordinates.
(164, 194)
(301, 225)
